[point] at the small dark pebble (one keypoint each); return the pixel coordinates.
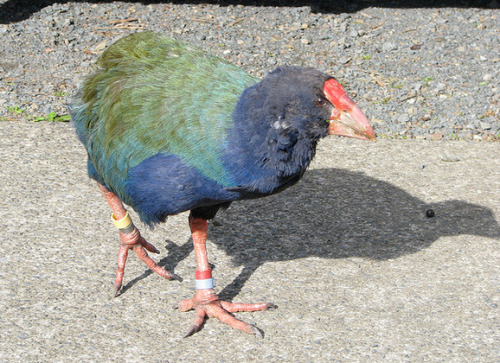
(429, 213)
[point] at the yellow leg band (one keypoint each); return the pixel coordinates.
(121, 223)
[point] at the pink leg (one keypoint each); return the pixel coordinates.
(131, 241)
(205, 302)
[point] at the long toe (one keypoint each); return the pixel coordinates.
(148, 245)
(206, 304)
(198, 322)
(221, 314)
(134, 241)
(237, 307)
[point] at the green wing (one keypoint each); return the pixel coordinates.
(154, 94)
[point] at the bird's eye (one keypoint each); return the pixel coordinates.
(320, 101)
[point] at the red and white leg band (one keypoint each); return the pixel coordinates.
(204, 280)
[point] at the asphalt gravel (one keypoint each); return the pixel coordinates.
(418, 72)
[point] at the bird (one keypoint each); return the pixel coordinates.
(169, 128)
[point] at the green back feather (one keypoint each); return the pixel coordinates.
(154, 94)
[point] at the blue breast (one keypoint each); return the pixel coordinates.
(163, 185)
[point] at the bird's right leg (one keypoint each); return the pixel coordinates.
(205, 302)
(131, 239)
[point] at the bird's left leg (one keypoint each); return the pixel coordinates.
(205, 302)
(131, 239)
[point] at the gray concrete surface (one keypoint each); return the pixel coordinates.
(357, 270)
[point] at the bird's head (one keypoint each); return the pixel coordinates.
(302, 99)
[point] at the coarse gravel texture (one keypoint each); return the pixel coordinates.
(427, 72)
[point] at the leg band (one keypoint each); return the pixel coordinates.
(205, 284)
(204, 280)
(125, 224)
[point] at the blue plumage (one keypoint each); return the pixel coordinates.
(164, 185)
(268, 148)
(169, 128)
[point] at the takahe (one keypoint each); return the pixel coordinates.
(169, 128)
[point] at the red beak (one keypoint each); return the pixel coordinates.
(347, 119)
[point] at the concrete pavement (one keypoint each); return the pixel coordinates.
(358, 271)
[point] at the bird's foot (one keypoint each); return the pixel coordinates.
(134, 241)
(207, 304)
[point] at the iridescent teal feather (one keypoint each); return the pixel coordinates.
(153, 94)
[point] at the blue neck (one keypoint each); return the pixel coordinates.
(261, 155)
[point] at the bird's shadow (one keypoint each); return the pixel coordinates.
(333, 213)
